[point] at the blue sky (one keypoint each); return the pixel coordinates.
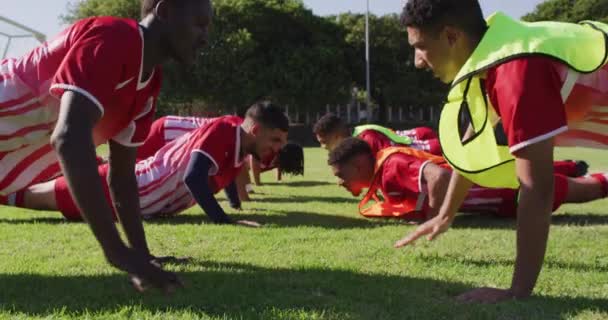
(43, 15)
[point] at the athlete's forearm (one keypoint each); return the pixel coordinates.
(535, 173)
(197, 181)
(72, 139)
(233, 195)
(124, 192)
(533, 222)
(457, 191)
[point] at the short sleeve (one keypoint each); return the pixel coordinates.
(375, 140)
(94, 63)
(526, 93)
(213, 142)
(401, 176)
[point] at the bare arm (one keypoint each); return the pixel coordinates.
(457, 191)
(72, 139)
(124, 191)
(535, 172)
(437, 180)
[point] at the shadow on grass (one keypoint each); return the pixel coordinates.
(449, 259)
(280, 219)
(34, 220)
(492, 222)
(299, 199)
(305, 183)
(285, 218)
(251, 292)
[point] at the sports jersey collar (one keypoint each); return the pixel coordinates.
(140, 84)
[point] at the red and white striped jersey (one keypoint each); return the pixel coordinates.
(167, 129)
(175, 127)
(538, 98)
(423, 138)
(100, 58)
(161, 177)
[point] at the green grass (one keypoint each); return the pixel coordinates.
(314, 259)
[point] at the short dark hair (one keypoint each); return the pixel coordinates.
(291, 159)
(147, 6)
(269, 115)
(347, 150)
(433, 14)
(327, 124)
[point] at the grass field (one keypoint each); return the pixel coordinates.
(315, 258)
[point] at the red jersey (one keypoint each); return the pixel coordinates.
(422, 139)
(160, 178)
(539, 98)
(100, 58)
(167, 129)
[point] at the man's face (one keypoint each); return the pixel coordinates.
(328, 141)
(351, 177)
(188, 29)
(434, 50)
(268, 141)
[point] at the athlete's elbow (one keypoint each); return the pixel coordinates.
(66, 142)
(193, 181)
(443, 178)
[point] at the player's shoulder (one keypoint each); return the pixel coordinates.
(371, 136)
(525, 64)
(369, 132)
(119, 30)
(222, 126)
(234, 120)
(227, 121)
(399, 159)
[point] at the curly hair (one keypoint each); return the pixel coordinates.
(347, 150)
(328, 124)
(433, 14)
(291, 159)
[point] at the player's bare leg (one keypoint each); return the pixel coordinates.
(586, 189)
(40, 196)
(37, 197)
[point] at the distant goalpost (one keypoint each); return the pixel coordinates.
(23, 32)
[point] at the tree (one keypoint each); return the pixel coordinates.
(570, 11)
(394, 79)
(259, 48)
(88, 8)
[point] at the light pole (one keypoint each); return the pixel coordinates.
(367, 71)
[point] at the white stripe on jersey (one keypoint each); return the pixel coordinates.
(160, 178)
(9, 125)
(11, 88)
(35, 167)
(181, 203)
(175, 127)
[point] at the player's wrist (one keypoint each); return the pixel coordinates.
(116, 254)
(519, 292)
